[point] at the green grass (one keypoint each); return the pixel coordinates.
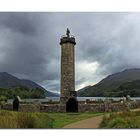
(11, 119)
(62, 119)
(127, 119)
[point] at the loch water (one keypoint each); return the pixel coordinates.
(79, 99)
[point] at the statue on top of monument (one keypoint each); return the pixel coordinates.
(68, 32)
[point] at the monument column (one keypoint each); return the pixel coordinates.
(67, 43)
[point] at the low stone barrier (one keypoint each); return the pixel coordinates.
(52, 108)
(29, 107)
(22, 107)
(91, 108)
(7, 106)
(96, 107)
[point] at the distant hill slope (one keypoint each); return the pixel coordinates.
(8, 80)
(51, 94)
(109, 86)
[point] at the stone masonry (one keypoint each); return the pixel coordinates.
(96, 107)
(67, 67)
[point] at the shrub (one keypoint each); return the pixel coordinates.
(25, 120)
(3, 98)
(11, 119)
(126, 119)
(118, 123)
(34, 120)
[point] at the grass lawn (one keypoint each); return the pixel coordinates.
(11, 119)
(62, 119)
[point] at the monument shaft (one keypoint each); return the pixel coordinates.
(67, 67)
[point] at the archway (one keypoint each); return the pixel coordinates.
(72, 105)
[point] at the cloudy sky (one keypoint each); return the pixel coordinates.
(106, 43)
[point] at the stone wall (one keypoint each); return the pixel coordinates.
(100, 107)
(91, 108)
(108, 107)
(52, 108)
(29, 107)
(22, 107)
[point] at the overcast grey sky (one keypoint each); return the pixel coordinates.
(106, 43)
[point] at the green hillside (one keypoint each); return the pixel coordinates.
(119, 84)
(11, 85)
(22, 92)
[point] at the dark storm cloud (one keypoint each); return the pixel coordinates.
(20, 22)
(118, 50)
(106, 43)
(26, 47)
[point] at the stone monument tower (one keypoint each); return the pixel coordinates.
(67, 43)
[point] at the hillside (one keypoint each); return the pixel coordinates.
(110, 86)
(51, 94)
(8, 81)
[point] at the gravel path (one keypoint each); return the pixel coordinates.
(93, 122)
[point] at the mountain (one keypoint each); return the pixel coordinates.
(7, 80)
(110, 86)
(51, 94)
(83, 89)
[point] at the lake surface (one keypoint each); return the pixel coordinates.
(79, 99)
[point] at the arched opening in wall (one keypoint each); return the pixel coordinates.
(72, 105)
